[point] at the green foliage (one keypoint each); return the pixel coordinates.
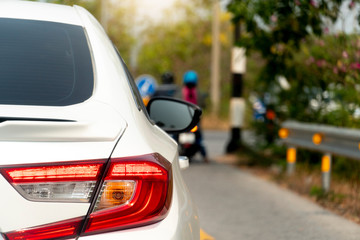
(321, 195)
(347, 169)
(294, 40)
(317, 192)
(270, 156)
(182, 42)
(178, 45)
(325, 81)
(120, 31)
(275, 27)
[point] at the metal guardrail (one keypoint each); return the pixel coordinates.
(322, 138)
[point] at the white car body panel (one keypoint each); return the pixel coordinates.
(83, 123)
(107, 124)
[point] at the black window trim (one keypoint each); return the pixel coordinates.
(134, 90)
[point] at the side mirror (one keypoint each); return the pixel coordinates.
(173, 115)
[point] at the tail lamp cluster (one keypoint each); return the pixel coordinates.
(124, 193)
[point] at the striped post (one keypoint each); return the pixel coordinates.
(237, 102)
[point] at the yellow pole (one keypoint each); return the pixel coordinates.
(326, 171)
(291, 160)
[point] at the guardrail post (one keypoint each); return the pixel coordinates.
(291, 160)
(326, 171)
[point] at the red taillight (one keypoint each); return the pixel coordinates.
(70, 182)
(70, 172)
(134, 192)
(150, 200)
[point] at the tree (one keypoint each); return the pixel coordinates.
(183, 41)
(178, 44)
(276, 28)
(297, 41)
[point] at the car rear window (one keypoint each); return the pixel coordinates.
(44, 63)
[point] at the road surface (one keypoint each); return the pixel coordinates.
(234, 204)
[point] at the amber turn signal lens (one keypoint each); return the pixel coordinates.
(116, 193)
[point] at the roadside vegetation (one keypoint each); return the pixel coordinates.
(305, 67)
(344, 195)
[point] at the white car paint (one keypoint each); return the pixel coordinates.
(109, 118)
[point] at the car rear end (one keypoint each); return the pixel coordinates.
(79, 157)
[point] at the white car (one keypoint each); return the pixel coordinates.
(80, 157)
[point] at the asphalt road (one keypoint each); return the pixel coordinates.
(234, 204)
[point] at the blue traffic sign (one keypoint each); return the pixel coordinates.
(146, 85)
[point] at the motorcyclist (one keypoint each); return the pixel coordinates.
(190, 93)
(168, 88)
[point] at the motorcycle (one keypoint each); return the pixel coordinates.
(188, 146)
